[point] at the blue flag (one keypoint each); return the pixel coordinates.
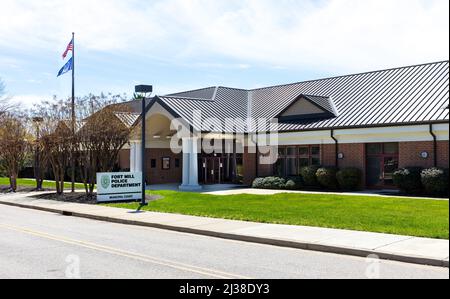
(67, 67)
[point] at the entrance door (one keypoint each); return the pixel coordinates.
(381, 163)
(213, 170)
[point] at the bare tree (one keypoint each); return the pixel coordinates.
(13, 146)
(100, 138)
(56, 137)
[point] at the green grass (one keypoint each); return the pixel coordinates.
(402, 216)
(32, 183)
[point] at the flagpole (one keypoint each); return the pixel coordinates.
(73, 113)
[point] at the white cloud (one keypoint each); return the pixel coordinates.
(28, 100)
(335, 35)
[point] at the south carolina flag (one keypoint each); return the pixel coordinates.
(67, 67)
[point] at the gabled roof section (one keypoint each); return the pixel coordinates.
(127, 118)
(68, 124)
(308, 107)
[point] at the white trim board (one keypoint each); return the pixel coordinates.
(367, 135)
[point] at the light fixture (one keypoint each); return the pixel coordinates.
(424, 155)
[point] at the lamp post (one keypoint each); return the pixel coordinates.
(144, 91)
(37, 163)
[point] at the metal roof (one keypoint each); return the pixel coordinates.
(406, 95)
(128, 119)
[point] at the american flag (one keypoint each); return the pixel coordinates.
(69, 48)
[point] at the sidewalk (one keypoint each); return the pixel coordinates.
(391, 247)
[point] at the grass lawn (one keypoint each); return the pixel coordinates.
(32, 183)
(412, 217)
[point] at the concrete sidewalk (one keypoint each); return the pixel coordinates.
(392, 247)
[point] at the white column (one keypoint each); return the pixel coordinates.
(132, 157)
(186, 161)
(138, 160)
(190, 165)
(193, 164)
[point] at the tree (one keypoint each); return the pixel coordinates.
(100, 138)
(40, 156)
(56, 137)
(13, 146)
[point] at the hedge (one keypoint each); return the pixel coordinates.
(326, 176)
(350, 179)
(435, 181)
(409, 180)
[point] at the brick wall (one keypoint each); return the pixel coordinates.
(124, 159)
(410, 154)
(159, 176)
(354, 155)
(249, 161)
(443, 154)
(328, 153)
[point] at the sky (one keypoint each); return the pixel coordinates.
(177, 45)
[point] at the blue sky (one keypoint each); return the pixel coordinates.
(186, 44)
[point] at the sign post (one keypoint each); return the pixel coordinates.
(120, 186)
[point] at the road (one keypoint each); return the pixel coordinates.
(36, 244)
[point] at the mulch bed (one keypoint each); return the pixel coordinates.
(20, 189)
(69, 197)
(82, 198)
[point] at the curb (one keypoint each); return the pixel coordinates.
(266, 241)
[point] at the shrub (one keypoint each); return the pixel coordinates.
(435, 181)
(350, 179)
(326, 177)
(409, 180)
(258, 183)
(269, 183)
(308, 175)
(294, 183)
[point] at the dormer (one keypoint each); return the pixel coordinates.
(306, 107)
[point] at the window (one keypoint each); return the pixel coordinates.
(153, 163)
(315, 156)
(291, 159)
(165, 163)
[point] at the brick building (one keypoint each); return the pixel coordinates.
(377, 121)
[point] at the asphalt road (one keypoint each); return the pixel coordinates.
(37, 244)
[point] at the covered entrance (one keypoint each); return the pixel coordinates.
(382, 160)
(220, 169)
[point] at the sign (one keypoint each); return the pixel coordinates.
(119, 186)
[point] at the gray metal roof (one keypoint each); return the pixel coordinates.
(128, 119)
(204, 93)
(407, 95)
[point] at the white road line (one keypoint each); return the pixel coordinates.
(136, 256)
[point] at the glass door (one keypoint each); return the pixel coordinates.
(381, 163)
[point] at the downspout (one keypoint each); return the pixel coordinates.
(336, 142)
(257, 161)
(435, 158)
